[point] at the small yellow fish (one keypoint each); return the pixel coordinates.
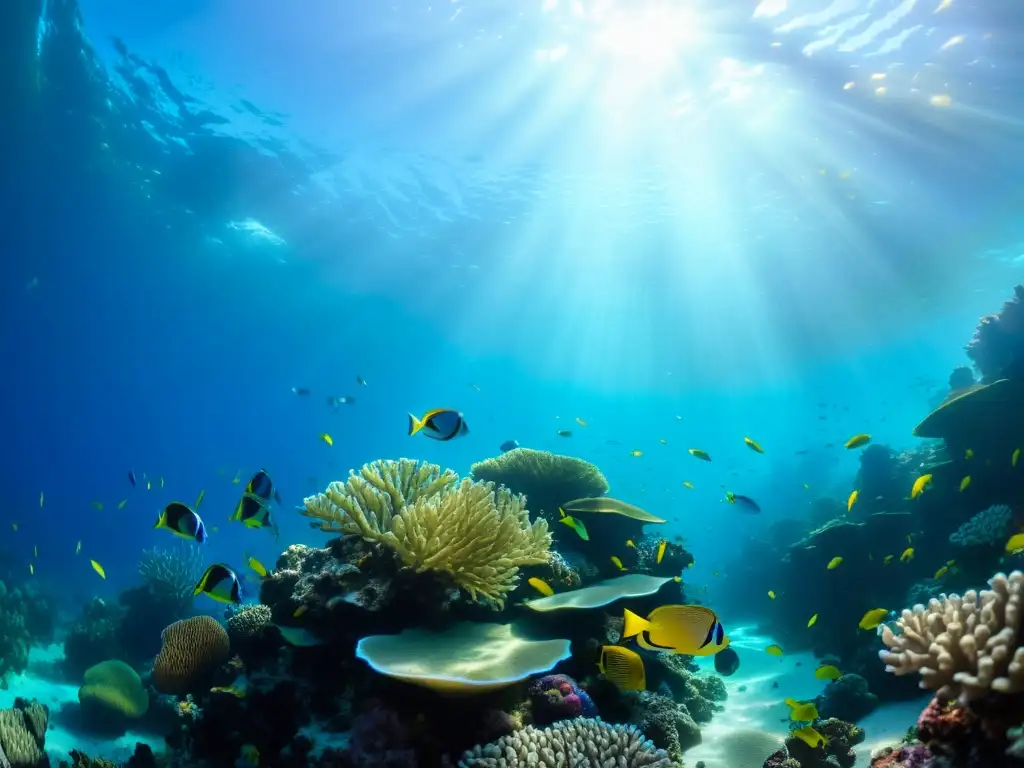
(857, 441)
(677, 579)
(161, 482)
(636, 452)
(804, 712)
(873, 618)
(687, 484)
(576, 525)
(752, 445)
(623, 667)
(663, 441)
(1015, 458)
(807, 488)
(98, 568)
(257, 566)
(14, 527)
(941, 572)
(771, 594)
(661, 550)
(968, 454)
(887, 559)
(41, 498)
(828, 672)
(919, 485)
(299, 611)
(149, 486)
(232, 690)
(97, 505)
(964, 483)
(810, 737)
(697, 453)
(541, 586)
(618, 563)
(630, 544)
(908, 555)
(1016, 543)
(78, 547)
(121, 503)
(581, 422)
(835, 562)
(774, 650)
(327, 438)
(31, 569)
(851, 501)
(813, 621)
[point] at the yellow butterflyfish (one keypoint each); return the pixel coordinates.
(630, 544)
(810, 737)
(687, 484)
(623, 667)
(31, 569)
(690, 629)
(636, 452)
(300, 610)
(828, 672)
(1016, 543)
(774, 650)
(968, 454)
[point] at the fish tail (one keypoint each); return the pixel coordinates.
(634, 625)
(415, 425)
(161, 522)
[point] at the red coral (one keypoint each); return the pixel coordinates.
(945, 722)
(907, 756)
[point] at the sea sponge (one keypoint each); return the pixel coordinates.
(963, 647)
(476, 534)
(113, 685)
(546, 479)
(580, 743)
(23, 734)
(467, 658)
(990, 526)
(192, 649)
(249, 621)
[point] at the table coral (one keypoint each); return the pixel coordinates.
(558, 697)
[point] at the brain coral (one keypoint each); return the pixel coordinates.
(192, 649)
(963, 646)
(114, 685)
(580, 743)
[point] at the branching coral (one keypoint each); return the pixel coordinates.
(579, 742)
(478, 535)
(171, 573)
(963, 646)
(990, 526)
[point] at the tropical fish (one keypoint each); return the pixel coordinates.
(964, 483)
(630, 543)
(1015, 458)
(327, 439)
(857, 441)
(508, 445)
(943, 570)
(42, 499)
(636, 453)
(810, 737)
(968, 454)
(752, 445)
(581, 422)
(121, 503)
(35, 550)
(231, 690)
(887, 559)
(623, 667)
(1016, 543)
(727, 661)
(697, 453)
(687, 484)
(31, 569)
(299, 611)
(771, 594)
(813, 620)
(563, 432)
(14, 527)
(828, 672)
(661, 551)
(618, 563)
(257, 566)
(78, 547)
(98, 568)
(908, 555)
(774, 650)
(97, 505)
(541, 586)
(835, 562)
(576, 524)
(744, 503)
(301, 391)
(919, 485)
(852, 500)
(361, 381)
(300, 637)
(873, 618)
(663, 441)
(439, 424)
(336, 401)
(183, 521)
(252, 512)
(689, 629)
(220, 583)
(262, 486)
(161, 481)
(804, 712)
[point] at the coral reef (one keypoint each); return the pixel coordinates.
(988, 527)
(558, 697)
(548, 480)
(478, 535)
(15, 637)
(667, 724)
(248, 622)
(92, 638)
(998, 343)
(23, 735)
(847, 698)
(841, 737)
(579, 742)
(170, 573)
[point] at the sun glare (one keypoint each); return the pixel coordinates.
(647, 42)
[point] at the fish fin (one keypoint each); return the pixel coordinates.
(161, 522)
(634, 625)
(415, 425)
(201, 585)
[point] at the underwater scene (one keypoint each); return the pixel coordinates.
(492, 383)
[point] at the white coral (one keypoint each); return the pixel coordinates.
(963, 646)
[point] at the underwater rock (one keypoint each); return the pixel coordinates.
(847, 698)
(558, 697)
(841, 737)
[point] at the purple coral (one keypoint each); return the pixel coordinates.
(905, 756)
(998, 342)
(558, 697)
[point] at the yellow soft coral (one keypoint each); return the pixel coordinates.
(478, 535)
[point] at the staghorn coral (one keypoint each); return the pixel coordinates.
(548, 480)
(248, 622)
(477, 535)
(192, 649)
(988, 527)
(580, 743)
(963, 647)
(23, 734)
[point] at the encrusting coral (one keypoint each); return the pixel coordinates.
(477, 534)
(990, 526)
(578, 742)
(963, 647)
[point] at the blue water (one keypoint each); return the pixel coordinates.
(674, 225)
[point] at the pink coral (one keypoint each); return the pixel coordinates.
(905, 756)
(945, 722)
(558, 697)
